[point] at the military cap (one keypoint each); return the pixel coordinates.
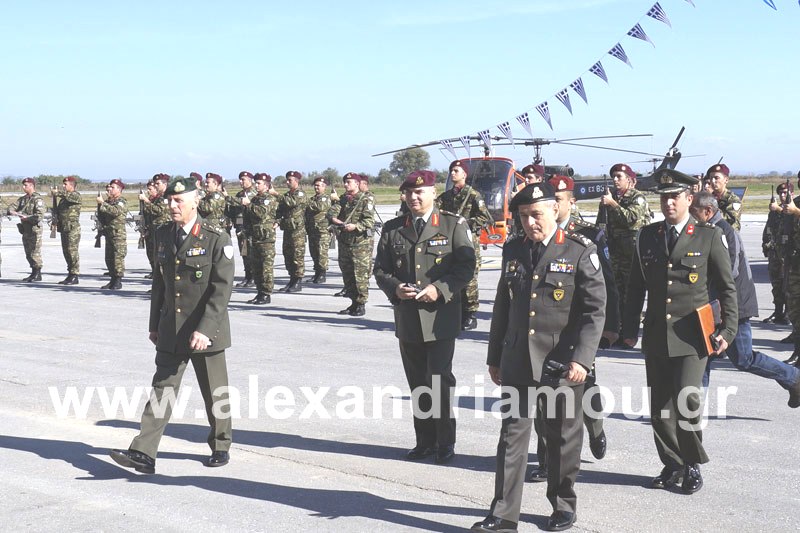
(622, 167)
(419, 178)
(161, 177)
(180, 185)
(533, 169)
(721, 168)
(561, 183)
(29, 180)
(364, 178)
(320, 178)
(195, 175)
(72, 179)
(671, 181)
(352, 176)
(531, 194)
(785, 185)
(460, 164)
(245, 174)
(293, 174)
(117, 182)
(215, 177)
(262, 176)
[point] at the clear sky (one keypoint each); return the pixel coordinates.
(109, 89)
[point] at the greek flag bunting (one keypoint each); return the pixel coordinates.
(577, 86)
(486, 138)
(563, 97)
(598, 70)
(544, 110)
(505, 127)
(525, 121)
(638, 33)
(449, 145)
(658, 13)
(465, 141)
(620, 54)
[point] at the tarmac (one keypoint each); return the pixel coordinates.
(318, 445)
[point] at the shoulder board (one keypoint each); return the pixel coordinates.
(581, 223)
(210, 229)
(577, 237)
(449, 214)
(706, 225)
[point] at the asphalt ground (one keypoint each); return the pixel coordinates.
(317, 462)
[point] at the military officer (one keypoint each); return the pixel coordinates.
(628, 212)
(113, 212)
(260, 218)
(547, 321)
(212, 203)
(423, 261)
(463, 200)
(188, 322)
(155, 212)
(68, 214)
(235, 212)
(291, 214)
(354, 217)
(319, 238)
(774, 242)
(30, 209)
(676, 263)
(729, 204)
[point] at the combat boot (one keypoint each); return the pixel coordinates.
(66, 281)
(261, 298)
(320, 278)
(779, 317)
(36, 275)
(245, 283)
(357, 310)
(116, 283)
(342, 293)
(469, 321)
(29, 277)
(296, 285)
(348, 310)
(72, 279)
(288, 285)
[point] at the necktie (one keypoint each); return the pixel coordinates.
(673, 238)
(179, 236)
(536, 251)
(419, 225)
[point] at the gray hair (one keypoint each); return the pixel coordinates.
(705, 199)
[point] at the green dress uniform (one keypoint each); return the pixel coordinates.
(260, 218)
(212, 209)
(192, 286)
(112, 215)
(730, 206)
(31, 229)
(291, 218)
(68, 213)
(468, 203)
(355, 247)
(677, 283)
(442, 255)
(550, 306)
(319, 238)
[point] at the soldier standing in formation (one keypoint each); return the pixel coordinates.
(112, 213)
(212, 203)
(319, 238)
(463, 200)
(30, 209)
(156, 213)
(774, 244)
(260, 217)
(235, 213)
(291, 218)
(792, 209)
(354, 217)
(68, 214)
(627, 212)
(151, 193)
(730, 205)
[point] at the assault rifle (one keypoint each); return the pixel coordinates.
(98, 225)
(54, 220)
(602, 210)
(139, 221)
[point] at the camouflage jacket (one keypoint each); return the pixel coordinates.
(632, 214)
(260, 217)
(317, 213)
(212, 209)
(112, 215)
(234, 209)
(33, 207)
(730, 206)
(157, 212)
(68, 210)
(357, 209)
(468, 203)
(292, 210)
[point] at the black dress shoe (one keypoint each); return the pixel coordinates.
(560, 520)
(218, 459)
(357, 310)
(598, 445)
(538, 475)
(794, 358)
(445, 454)
(132, 459)
(420, 452)
(794, 395)
(692, 480)
(780, 320)
(667, 478)
(492, 523)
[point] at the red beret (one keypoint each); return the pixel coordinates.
(245, 174)
(73, 179)
(561, 183)
(293, 174)
(262, 176)
(722, 168)
(419, 178)
(161, 177)
(352, 176)
(215, 177)
(460, 164)
(320, 178)
(195, 175)
(622, 167)
(364, 178)
(783, 186)
(533, 169)
(117, 182)
(29, 180)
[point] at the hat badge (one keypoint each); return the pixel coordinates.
(562, 185)
(666, 179)
(717, 167)
(420, 180)
(537, 192)
(623, 168)
(179, 187)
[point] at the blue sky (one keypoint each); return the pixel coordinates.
(129, 89)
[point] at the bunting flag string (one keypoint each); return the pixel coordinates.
(544, 110)
(620, 54)
(577, 86)
(465, 141)
(598, 70)
(525, 122)
(505, 127)
(638, 33)
(487, 140)
(771, 4)
(449, 145)
(656, 12)
(563, 97)
(691, 2)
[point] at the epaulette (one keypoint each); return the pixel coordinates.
(699, 224)
(582, 223)
(206, 225)
(448, 213)
(585, 241)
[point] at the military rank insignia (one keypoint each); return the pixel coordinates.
(558, 295)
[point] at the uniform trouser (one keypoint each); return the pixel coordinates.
(70, 242)
(150, 248)
(354, 262)
(212, 373)
(241, 238)
(563, 431)
(32, 244)
(115, 252)
(470, 295)
(422, 362)
(676, 416)
(262, 264)
(294, 251)
(318, 244)
(621, 253)
(793, 292)
(775, 271)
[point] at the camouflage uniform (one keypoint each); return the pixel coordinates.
(235, 212)
(793, 279)
(730, 206)
(355, 247)
(291, 214)
(623, 224)
(155, 214)
(468, 203)
(112, 215)
(31, 229)
(212, 209)
(319, 238)
(69, 212)
(260, 221)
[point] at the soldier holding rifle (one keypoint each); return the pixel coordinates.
(66, 216)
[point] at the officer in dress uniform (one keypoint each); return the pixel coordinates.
(547, 321)
(730, 205)
(676, 263)
(423, 261)
(188, 322)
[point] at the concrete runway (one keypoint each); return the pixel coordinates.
(327, 461)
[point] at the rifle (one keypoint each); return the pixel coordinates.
(98, 225)
(139, 219)
(54, 220)
(602, 210)
(332, 241)
(772, 194)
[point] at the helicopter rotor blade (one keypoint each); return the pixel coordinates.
(606, 137)
(608, 148)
